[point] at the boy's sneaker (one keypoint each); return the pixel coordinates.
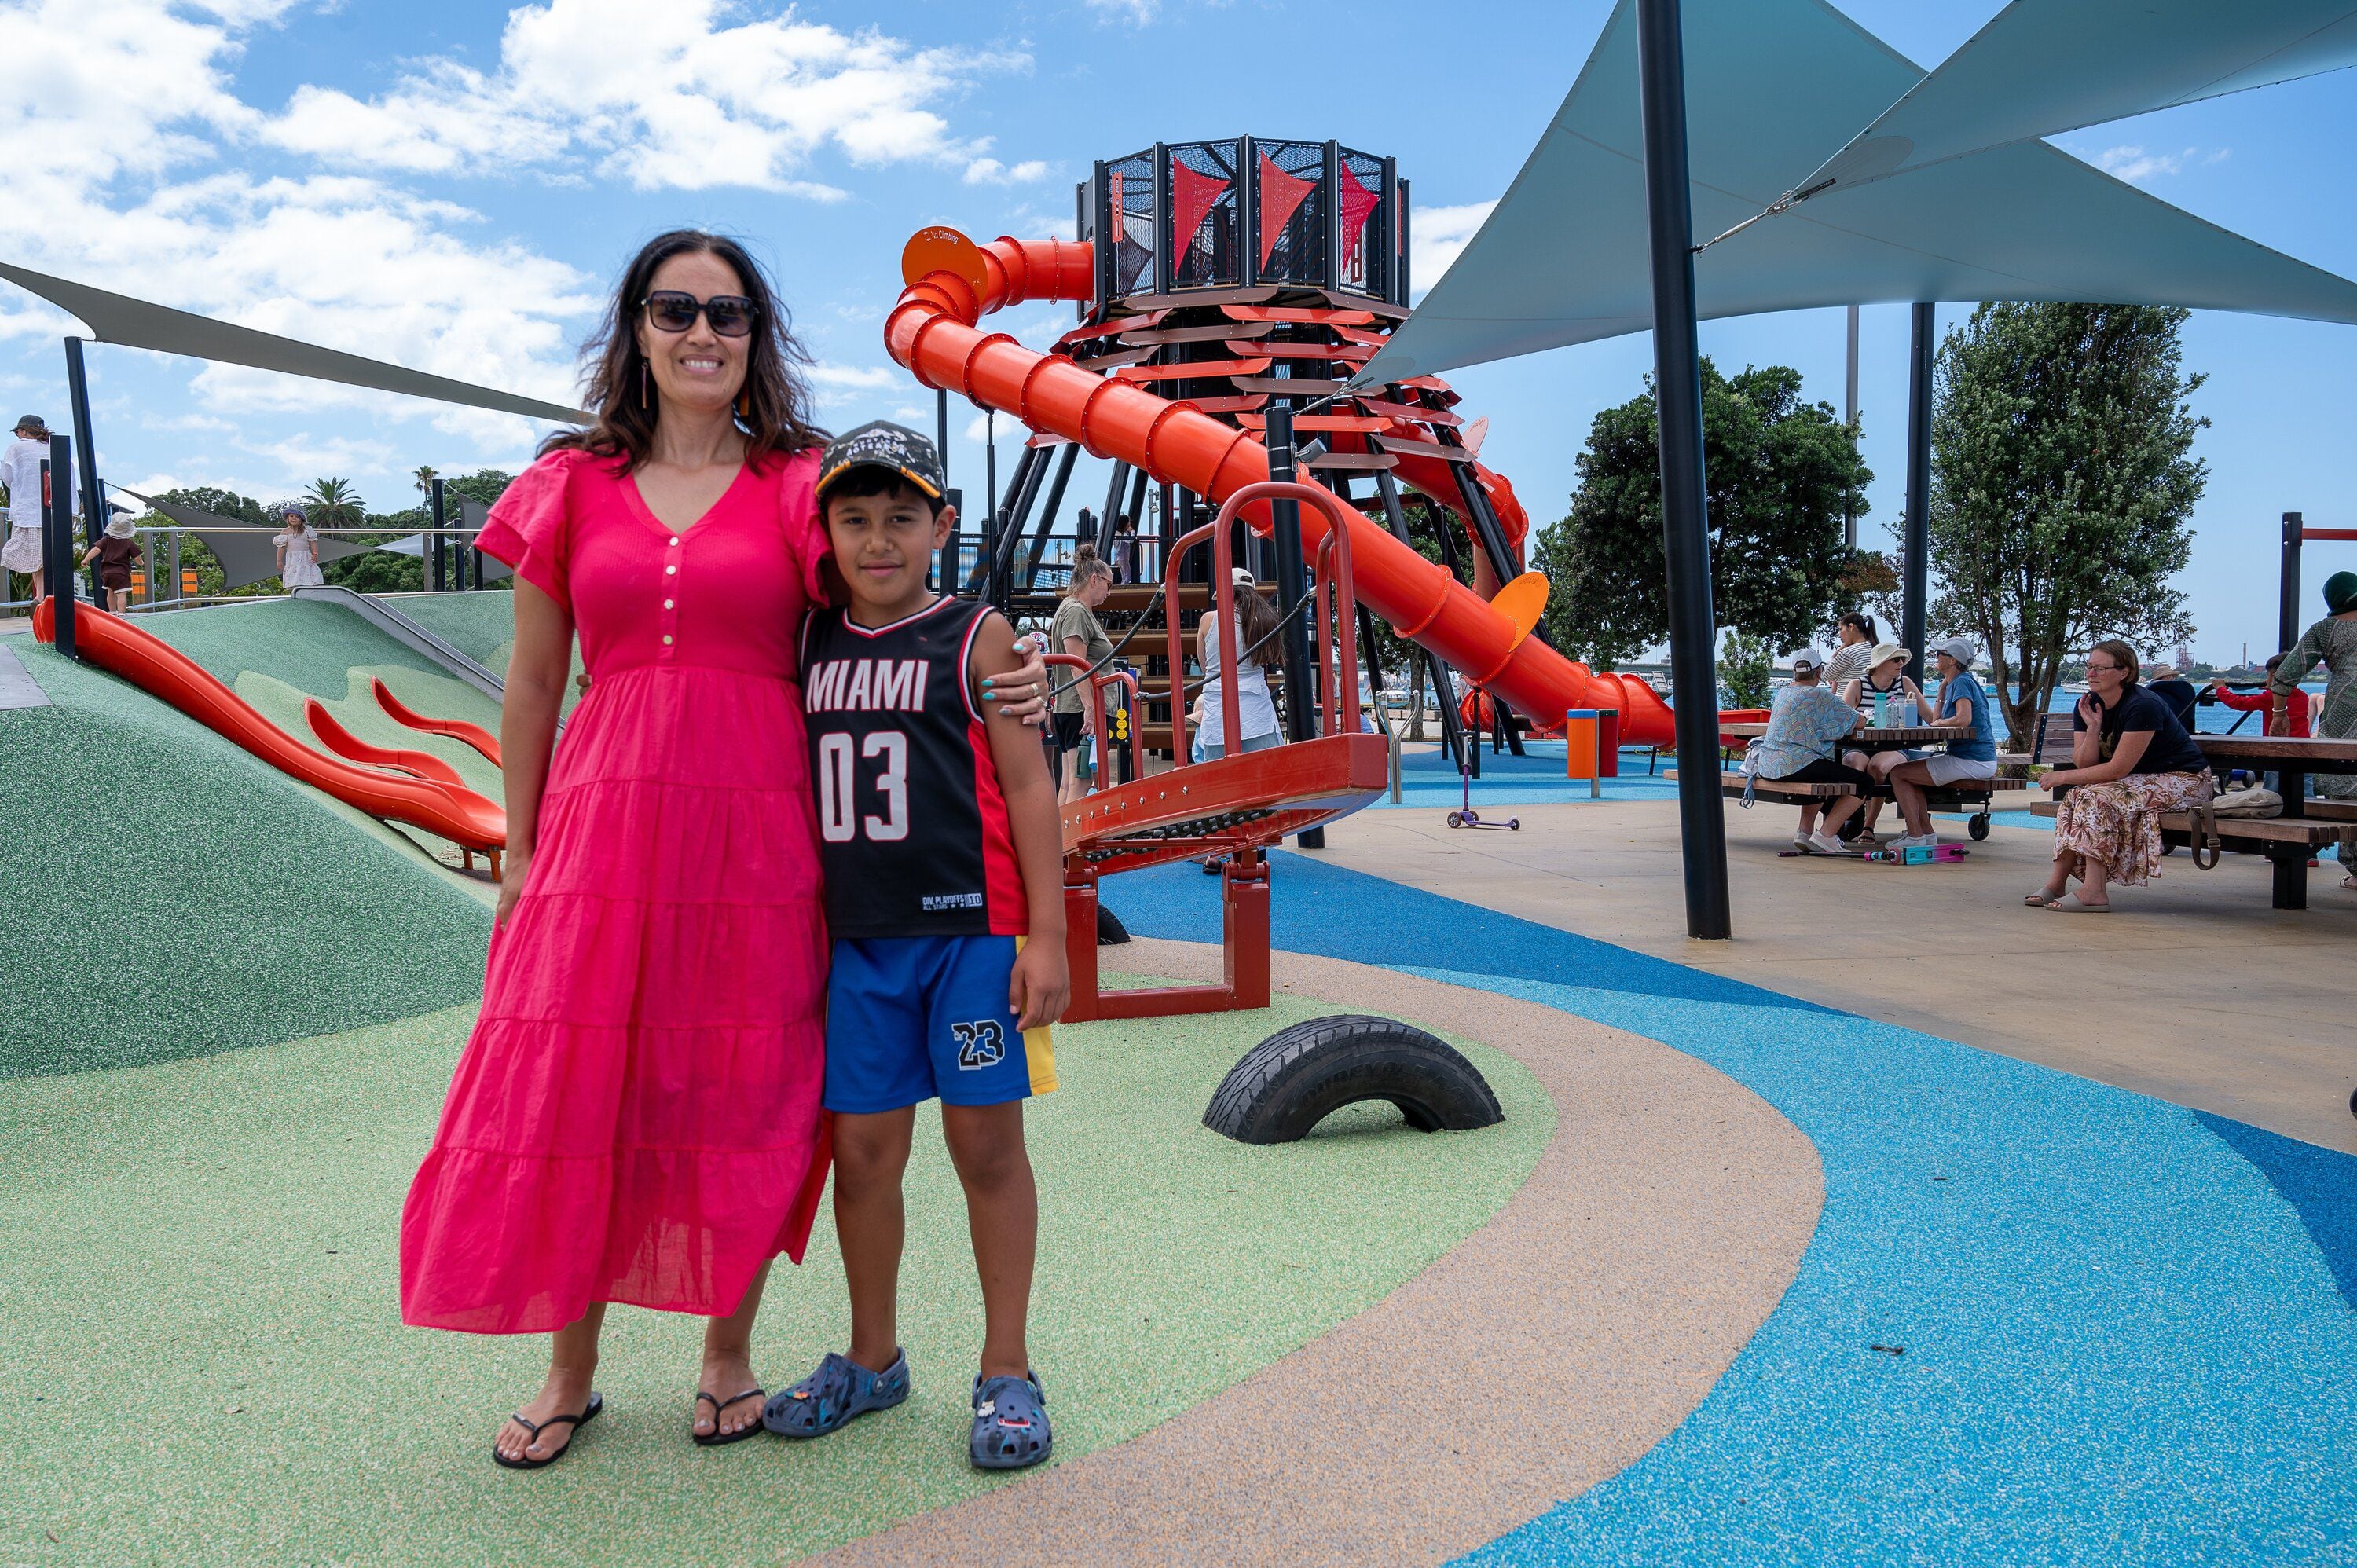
(840, 1389)
(1011, 1423)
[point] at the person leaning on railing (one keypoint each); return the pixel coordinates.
(2332, 641)
(1076, 630)
(2130, 761)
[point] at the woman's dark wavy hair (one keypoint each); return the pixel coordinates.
(774, 409)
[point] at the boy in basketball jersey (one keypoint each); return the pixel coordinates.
(942, 845)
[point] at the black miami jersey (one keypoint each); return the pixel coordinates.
(912, 826)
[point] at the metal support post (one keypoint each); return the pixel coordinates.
(2287, 612)
(1451, 740)
(1850, 417)
(93, 494)
(1916, 589)
(1685, 521)
(57, 546)
(1048, 516)
(941, 430)
(433, 578)
(1292, 594)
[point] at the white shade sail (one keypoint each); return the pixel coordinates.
(136, 323)
(1772, 88)
(2043, 66)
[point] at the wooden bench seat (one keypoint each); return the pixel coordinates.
(1972, 795)
(2291, 842)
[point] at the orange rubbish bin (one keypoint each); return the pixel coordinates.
(1583, 756)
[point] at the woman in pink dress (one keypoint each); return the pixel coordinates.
(636, 1118)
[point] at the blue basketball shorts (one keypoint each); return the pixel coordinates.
(909, 1018)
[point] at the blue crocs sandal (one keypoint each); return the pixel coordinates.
(840, 1389)
(1011, 1423)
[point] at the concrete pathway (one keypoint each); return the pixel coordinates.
(17, 687)
(2195, 990)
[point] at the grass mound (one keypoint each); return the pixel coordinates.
(201, 1275)
(178, 897)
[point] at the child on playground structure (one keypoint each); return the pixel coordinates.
(116, 552)
(941, 844)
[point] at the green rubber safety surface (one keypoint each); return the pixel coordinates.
(174, 895)
(201, 1358)
(478, 623)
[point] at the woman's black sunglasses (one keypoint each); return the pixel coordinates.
(731, 315)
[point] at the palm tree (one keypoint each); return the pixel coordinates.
(333, 503)
(426, 477)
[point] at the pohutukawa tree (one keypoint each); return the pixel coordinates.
(1781, 472)
(2062, 480)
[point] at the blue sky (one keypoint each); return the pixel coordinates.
(451, 185)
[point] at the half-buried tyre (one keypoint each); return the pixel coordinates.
(1299, 1076)
(1111, 932)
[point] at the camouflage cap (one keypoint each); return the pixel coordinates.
(880, 444)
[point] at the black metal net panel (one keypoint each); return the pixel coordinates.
(1289, 178)
(1359, 202)
(1402, 281)
(1206, 237)
(1129, 200)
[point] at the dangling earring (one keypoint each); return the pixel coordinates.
(745, 402)
(643, 383)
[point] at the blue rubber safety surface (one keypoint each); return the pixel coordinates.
(2042, 1320)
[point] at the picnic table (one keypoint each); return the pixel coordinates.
(1915, 734)
(1972, 795)
(2295, 759)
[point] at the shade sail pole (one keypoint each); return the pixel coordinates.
(1916, 587)
(1686, 523)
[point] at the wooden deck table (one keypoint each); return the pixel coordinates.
(1918, 735)
(2295, 759)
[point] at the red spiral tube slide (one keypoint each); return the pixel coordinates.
(952, 283)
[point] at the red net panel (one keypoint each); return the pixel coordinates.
(1281, 196)
(1192, 197)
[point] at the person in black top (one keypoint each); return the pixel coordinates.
(2130, 761)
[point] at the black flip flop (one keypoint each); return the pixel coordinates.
(588, 1413)
(717, 1438)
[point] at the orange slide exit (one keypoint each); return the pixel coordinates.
(952, 283)
(147, 662)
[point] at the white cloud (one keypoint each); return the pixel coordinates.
(698, 100)
(850, 377)
(2135, 163)
(1136, 13)
(1437, 236)
(990, 171)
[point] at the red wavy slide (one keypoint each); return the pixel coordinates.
(952, 283)
(451, 810)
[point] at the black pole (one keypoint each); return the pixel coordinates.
(93, 494)
(1292, 590)
(941, 430)
(990, 470)
(1396, 519)
(1917, 588)
(435, 580)
(1048, 516)
(56, 549)
(2288, 615)
(1685, 520)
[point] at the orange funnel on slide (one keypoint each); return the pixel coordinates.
(112, 643)
(952, 283)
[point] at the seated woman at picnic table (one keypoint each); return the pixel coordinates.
(2130, 761)
(1807, 722)
(2332, 640)
(1882, 674)
(1970, 755)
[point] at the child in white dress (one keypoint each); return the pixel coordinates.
(298, 553)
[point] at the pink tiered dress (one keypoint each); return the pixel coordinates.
(636, 1116)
